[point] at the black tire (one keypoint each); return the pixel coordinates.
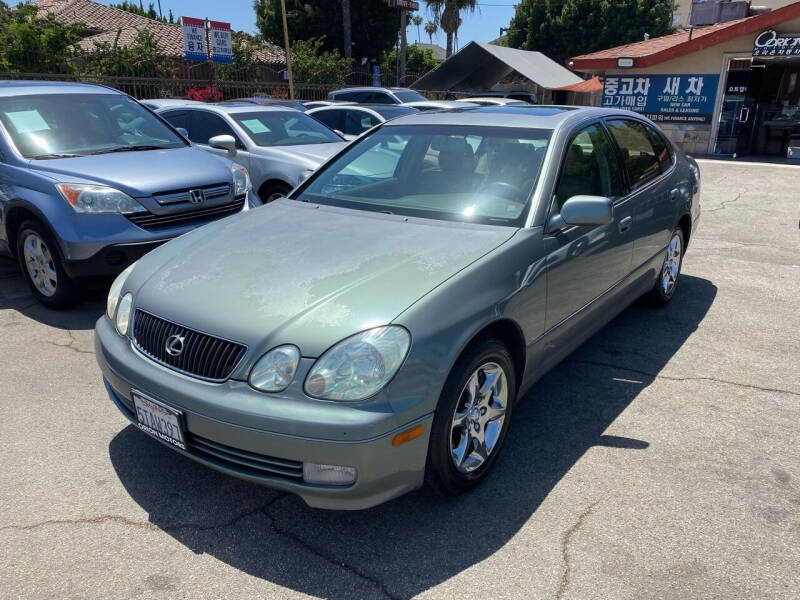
(660, 295)
(64, 288)
(441, 473)
(273, 191)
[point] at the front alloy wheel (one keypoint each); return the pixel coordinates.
(40, 264)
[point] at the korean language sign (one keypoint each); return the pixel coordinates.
(221, 43)
(194, 38)
(682, 98)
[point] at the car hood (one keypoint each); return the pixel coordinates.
(291, 272)
(312, 154)
(143, 173)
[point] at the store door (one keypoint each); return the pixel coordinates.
(737, 117)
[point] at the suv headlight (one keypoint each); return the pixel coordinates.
(241, 180)
(114, 291)
(359, 366)
(84, 198)
(275, 370)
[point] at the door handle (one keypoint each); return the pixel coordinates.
(744, 115)
(625, 224)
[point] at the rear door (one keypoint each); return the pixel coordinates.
(585, 261)
(649, 165)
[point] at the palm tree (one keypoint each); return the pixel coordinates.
(417, 20)
(447, 15)
(430, 30)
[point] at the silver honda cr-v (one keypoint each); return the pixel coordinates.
(90, 180)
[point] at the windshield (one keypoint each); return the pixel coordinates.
(460, 173)
(284, 128)
(57, 125)
(408, 96)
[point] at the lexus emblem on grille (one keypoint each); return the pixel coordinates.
(174, 345)
(197, 196)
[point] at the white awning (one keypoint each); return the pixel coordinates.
(477, 67)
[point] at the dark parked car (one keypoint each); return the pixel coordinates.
(376, 95)
(354, 119)
(375, 330)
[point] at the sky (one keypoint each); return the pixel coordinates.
(482, 26)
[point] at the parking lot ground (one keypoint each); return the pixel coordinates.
(661, 460)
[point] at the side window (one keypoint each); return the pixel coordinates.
(357, 122)
(332, 118)
(361, 97)
(382, 98)
(206, 125)
(590, 168)
(663, 152)
(638, 154)
(177, 118)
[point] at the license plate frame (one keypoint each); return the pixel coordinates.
(158, 419)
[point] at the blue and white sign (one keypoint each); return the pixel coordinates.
(677, 98)
(194, 38)
(376, 76)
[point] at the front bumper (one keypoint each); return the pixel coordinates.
(111, 260)
(257, 454)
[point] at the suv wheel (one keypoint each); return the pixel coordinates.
(41, 266)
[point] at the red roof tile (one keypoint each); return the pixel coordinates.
(657, 50)
(102, 23)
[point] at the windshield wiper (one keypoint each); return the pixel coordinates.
(131, 149)
(55, 155)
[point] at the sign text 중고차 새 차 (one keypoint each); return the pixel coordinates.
(681, 98)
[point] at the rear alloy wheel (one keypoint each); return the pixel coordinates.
(472, 418)
(667, 281)
(272, 192)
(42, 267)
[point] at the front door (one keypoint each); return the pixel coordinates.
(585, 261)
(737, 116)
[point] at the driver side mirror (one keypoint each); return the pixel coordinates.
(224, 142)
(183, 132)
(582, 210)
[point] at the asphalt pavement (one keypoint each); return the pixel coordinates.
(660, 460)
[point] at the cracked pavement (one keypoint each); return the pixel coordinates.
(660, 460)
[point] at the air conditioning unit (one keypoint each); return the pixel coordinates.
(709, 12)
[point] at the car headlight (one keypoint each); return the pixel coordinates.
(97, 199)
(116, 288)
(241, 180)
(359, 366)
(275, 370)
(124, 314)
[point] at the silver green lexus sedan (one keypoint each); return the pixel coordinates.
(373, 331)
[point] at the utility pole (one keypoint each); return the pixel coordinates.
(288, 53)
(401, 71)
(348, 29)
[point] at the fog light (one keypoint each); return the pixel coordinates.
(328, 474)
(124, 314)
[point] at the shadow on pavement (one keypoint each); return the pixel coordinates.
(406, 546)
(16, 295)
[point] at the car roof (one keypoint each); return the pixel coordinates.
(369, 89)
(24, 87)
(230, 109)
(529, 116)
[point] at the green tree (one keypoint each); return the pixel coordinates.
(417, 21)
(374, 24)
(311, 63)
(418, 61)
(32, 42)
(245, 66)
(565, 28)
(150, 13)
(430, 30)
(447, 16)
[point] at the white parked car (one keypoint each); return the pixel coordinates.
(440, 105)
(278, 146)
(492, 101)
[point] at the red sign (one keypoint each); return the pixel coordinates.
(404, 4)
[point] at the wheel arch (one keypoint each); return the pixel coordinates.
(274, 182)
(510, 334)
(685, 223)
(18, 214)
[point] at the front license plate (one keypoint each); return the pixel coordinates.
(158, 420)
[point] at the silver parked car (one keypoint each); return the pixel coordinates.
(90, 180)
(351, 120)
(440, 105)
(277, 145)
(375, 330)
(376, 95)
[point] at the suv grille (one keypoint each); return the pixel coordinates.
(203, 356)
(147, 220)
(177, 196)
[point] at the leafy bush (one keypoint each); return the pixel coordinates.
(32, 43)
(312, 64)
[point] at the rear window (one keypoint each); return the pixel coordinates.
(409, 96)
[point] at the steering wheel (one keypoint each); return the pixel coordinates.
(504, 190)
